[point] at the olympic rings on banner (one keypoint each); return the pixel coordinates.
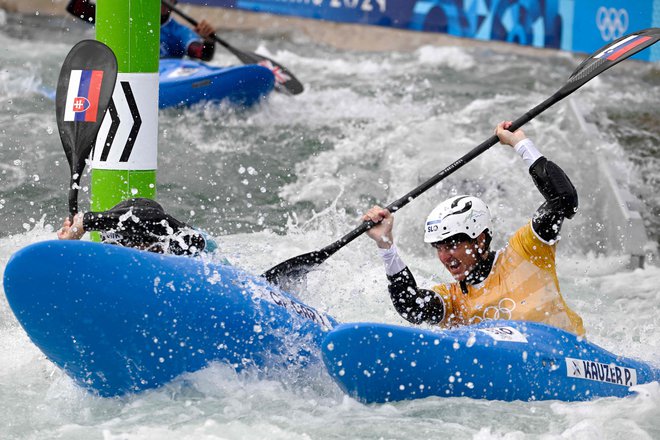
(612, 23)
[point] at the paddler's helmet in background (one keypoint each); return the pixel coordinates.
(143, 223)
(166, 12)
(461, 215)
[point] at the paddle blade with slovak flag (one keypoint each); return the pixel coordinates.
(84, 89)
(612, 54)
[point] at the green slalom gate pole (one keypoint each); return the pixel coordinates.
(124, 161)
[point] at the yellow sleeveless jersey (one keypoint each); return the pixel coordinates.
(522, 285)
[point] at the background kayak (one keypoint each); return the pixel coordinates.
(187, 82)
(184, 82)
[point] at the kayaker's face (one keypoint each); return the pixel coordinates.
(458, 256)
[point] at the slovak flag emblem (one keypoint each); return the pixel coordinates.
(80, 104)
(82, 96)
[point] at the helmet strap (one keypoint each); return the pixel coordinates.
(480, 271)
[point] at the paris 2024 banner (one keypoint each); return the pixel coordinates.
(574, 25)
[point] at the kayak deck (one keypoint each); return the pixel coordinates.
(187, 82)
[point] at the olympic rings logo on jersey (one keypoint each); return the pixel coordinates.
(612, 23)
(503, 310)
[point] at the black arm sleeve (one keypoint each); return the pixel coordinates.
(150, 228)
(414, 304)
(141, 222)
(82, 9)
(100, 221)
(561, 199)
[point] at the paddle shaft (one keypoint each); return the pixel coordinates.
(606, 57)
(412, 195)
(73, 196)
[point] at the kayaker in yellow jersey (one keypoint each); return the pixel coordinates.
(518, 282)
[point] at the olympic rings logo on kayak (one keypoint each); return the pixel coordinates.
(612, 23)
(503, 310)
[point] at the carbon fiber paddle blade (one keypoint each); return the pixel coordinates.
(296, 267)
(84, 90)
(284, 80)
(612, 54)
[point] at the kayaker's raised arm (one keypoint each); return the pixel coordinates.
(561, 199)
(404, 293)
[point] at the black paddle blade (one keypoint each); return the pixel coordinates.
(284, 80)
(84, 89)
(293, 268)
(607, 56)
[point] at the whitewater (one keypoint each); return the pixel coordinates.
(294, 175)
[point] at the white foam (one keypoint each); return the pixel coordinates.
(370, 127)
(453, 57)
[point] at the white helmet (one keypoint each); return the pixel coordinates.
(459, 215)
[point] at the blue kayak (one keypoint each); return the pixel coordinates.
(185, 82)
(120, 320)
(497, 360)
